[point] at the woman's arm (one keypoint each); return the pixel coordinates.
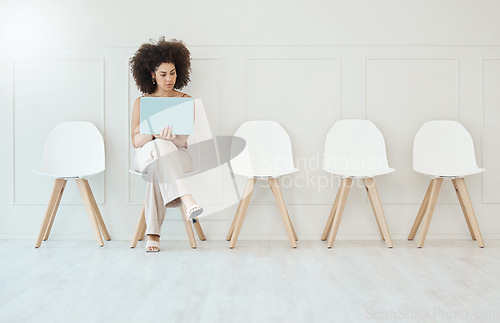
(138, 140)
(180, 140)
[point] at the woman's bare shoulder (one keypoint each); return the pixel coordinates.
(138, 100)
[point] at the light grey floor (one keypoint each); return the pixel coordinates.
(259, 281)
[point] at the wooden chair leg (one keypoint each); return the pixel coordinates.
(235, 219)
(278, 196)
(374, 208)
(286, 211)
(245, 200)
(90, 210)
(199, 230)
(59, 182)
(54, 211)
(378, 210)
(189, 229)
(421, 211)
(142, 235)
(464, 193)
(345, 186)
(291, 225)
(141, 224)
(436, 185)
(464, 210)
(290, 221)
(97, 213)
(329, 222)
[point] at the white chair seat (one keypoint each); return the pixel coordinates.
(451, 173)
(267, 150)
(73, 150)
(262, 150)
(355, 148)
(444, 148)
(68, 174)
(361, 173)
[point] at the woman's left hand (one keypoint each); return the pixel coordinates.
(166, 133)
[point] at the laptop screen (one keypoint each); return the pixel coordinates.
(157, 113)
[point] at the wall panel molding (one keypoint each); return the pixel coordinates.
(15, 62)
(337, 78)
(418, 199)
(484, 112)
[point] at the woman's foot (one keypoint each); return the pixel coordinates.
(191, 209)
(153, 243)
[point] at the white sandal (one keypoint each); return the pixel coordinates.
(152, 243)
(194, 211)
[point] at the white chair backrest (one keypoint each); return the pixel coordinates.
(267, 151)
(355, 148)
(201, 143)
(73, 149)
(444, 148)
(201, 128)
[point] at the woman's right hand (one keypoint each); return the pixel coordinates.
(166, 133)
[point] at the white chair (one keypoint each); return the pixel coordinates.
(201, 133)
(355, 149)
(267, 154)
(444, 149)
(73, 150)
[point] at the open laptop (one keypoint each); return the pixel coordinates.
(157, 113)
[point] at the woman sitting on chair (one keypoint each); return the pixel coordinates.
(160, 70)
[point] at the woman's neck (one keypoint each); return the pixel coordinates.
(164, 93)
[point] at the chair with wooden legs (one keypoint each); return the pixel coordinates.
(267, 155)
(443, 149)
(73, 150)
(355, 149)
(140, 229)
(201, 133)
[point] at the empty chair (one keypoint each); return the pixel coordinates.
(267, 155)
(198, 151)
(73, 150)
(355, 149)
(444, 149)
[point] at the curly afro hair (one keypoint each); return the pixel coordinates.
(149, 56)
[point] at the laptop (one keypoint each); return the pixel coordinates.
(157, 113)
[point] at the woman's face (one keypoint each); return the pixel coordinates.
(165, 76)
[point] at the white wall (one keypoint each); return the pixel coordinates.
(305, 64)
